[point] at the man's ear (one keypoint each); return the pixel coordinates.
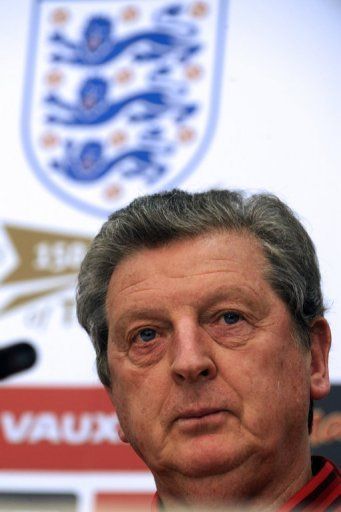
(320, 338)
(120, 431)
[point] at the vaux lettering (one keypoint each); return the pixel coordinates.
(70, 428)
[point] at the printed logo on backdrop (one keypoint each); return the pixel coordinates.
(36, 265)
(63, 428)
(121, 99)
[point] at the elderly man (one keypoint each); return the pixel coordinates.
(206, 314)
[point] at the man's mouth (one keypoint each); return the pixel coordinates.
(197, 414)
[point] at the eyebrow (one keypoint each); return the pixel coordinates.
(246, 295)
(143, 314)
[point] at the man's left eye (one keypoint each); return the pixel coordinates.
(230, 317)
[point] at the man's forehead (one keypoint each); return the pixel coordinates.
(210, 256)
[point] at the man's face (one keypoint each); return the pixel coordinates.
(206, 376)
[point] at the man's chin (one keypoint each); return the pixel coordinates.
(207, 457)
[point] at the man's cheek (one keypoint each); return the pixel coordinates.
(129, 393)
(264, 391)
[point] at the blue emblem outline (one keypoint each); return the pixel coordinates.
(221, 26)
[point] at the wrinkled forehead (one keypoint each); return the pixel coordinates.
(214, 258)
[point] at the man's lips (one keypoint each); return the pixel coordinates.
(190, 414)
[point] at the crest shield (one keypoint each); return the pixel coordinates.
(120, 99)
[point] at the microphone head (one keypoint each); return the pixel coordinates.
(16, 358)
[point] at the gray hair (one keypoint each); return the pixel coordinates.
(154, 220)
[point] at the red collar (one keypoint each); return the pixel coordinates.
(321, 492)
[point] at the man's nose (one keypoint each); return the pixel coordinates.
(192, 354)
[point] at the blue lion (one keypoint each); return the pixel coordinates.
(92, 106)
(87, 163)
(97, 46)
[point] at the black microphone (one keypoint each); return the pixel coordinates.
(16, 358)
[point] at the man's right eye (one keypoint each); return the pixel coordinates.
(231, 317)
(146, 335)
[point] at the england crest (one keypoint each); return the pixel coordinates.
(121, 98)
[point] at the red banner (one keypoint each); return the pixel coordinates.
(65, 429)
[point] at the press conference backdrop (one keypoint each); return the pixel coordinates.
(105, 100)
